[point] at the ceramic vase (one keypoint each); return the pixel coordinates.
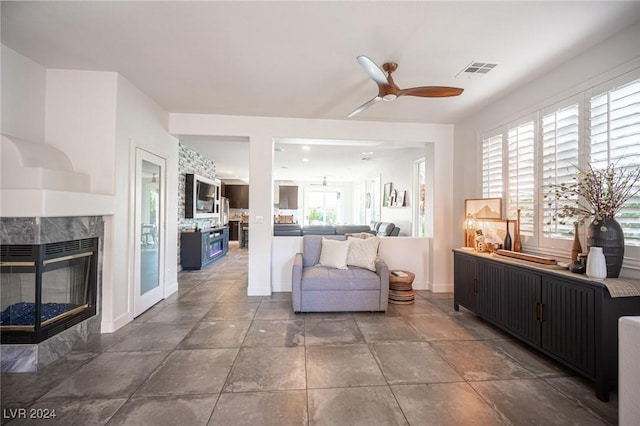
(507, 239)
(596, 264)
(576, 247)
(607, 234)
(517, 244)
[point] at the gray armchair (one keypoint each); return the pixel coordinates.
(318, 288)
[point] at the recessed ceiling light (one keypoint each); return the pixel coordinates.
(476, 69)
(305, 160)
(306, 148)
(367, 153)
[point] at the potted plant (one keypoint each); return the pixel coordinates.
(598, 194)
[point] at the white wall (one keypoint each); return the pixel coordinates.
(262, 130)
(141, 123)
(94, 118)
(399, 171)
(81, 122)
(22, 94)
(605, 61)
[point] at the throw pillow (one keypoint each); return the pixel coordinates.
(334, 253)
(363, 253)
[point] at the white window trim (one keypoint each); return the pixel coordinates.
(538, 244)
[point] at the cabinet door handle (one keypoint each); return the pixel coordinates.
(539, 309)
(475, 285)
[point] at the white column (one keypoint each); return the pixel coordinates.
(260, 214)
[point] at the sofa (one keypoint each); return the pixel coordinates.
(319, 288)
(383, 229)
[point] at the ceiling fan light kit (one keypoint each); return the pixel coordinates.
(389, 91)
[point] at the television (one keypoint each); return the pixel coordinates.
(202, 197)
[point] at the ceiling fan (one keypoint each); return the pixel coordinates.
(388, 90)
(324, 182)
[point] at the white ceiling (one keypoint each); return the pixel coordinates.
(297, 59)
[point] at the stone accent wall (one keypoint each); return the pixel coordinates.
(189, 161)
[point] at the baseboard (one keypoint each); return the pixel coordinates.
(112, 326)
(171, 289)
(441, 288)
(420, 285)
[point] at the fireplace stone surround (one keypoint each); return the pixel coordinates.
(46, 230)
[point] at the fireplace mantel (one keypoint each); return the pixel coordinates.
(51, 203)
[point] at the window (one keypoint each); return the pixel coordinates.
(322, 207)
(560, 154)
(521, 175)
(492, 186)
(525, 160)
(614, 127)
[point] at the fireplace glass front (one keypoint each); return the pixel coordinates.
(46, 289)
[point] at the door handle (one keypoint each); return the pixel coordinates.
(539, 310)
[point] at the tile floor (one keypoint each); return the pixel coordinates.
(211, 355)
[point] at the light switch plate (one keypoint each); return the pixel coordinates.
(259, 220)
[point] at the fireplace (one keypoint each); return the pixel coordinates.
(46, 288)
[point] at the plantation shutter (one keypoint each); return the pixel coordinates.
(560, 139)
(615, 138)
(492, 186)
(521, 185)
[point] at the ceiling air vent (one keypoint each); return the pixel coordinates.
(476, 69)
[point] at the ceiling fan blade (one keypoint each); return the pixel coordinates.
(431, 91)
(365, 106)
(372, 70)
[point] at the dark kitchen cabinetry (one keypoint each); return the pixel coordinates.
(198, 249)
(288, 197)
(238, 196)
(233, 230)
(566, 316)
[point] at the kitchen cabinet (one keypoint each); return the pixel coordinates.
(567, 316)
(233, 230)
(288, 197)
(238, 196)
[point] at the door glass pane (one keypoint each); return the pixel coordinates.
(149, 235)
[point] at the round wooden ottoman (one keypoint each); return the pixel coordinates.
(400, 287)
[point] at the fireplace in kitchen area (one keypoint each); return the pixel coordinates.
(46, 288)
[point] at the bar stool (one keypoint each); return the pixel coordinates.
(244, 231)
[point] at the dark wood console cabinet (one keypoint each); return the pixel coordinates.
(199, 249)
(567, 316)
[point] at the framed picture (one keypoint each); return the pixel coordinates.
(386, 195)
(400, 198)
(494, 231)
(483, 208)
